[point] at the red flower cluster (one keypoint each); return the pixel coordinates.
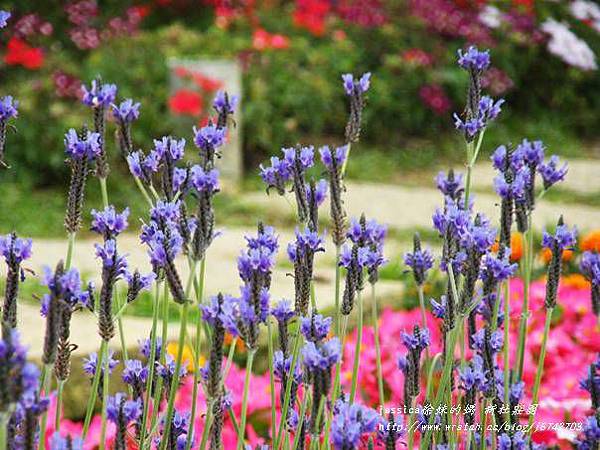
(206, 84)
(263, 40)
(311, 14)
(186, 102)
(435, 98)
(20, 53)
(417, 57)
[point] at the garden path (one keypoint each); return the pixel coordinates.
(400, 207)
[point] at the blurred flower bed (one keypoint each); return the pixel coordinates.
(292, 54)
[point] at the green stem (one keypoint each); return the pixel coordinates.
(175, 383)
(314, 442)
(423, 314)
(47, 379)
(271, 378)
(528, 262)
(104, 191)
(94, 392)
(357, 348)
(301, 422)
(70, 248)
(338, 275)
(411, 428)
(59, 397)
(288, 390)
(242, 431)
(143, 191)
(207, 424)
(540, 367)
(151, 358)
(343, 172)
(377, 345)
(197, 344)
(4, 418)
(507, 344)
(105, 379)
(483, 419)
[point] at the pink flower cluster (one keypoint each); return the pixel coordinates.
(573, 344)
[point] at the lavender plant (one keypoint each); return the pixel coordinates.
(473, 313)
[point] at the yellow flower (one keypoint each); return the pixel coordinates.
(187, 355)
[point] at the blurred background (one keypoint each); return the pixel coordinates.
(286, 60)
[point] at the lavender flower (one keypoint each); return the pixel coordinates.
(277, 174)
(136, 283)
(122, 412)
(8, 108)
(350, 422)
(316, 327)
(57, 442)
(209, 139)
(224, 104)
(302, 253)
(563, 238)
(99, 95)
(78, 147)
(420, 261)
(4, 16)
(90, 364)
(355, 89)
(334, 162)
(135, 374)
(551, 173)
(590, 268)
(474, 59)
(125, 114)
(15, 250)
(451, 185)
(108, 223)
(415, 343)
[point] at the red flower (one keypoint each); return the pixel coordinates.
(18, 52)
(435, 98)
(263, 40)
(205, 83)
(311, 14)
(186, 102)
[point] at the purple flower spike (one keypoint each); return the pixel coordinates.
(474, 59)
(316, 327)
(127, 111)
(108, 222)
(209, 137)
(205, 181)
(8, 107)
(132, 409)
(135, 372)
(497, 269)
(223, 105)
(563, 238)
(416, 341)
(351, 84)
(99, 95)
(167, 144)
(283, 311)
(4, 16)
(80, 148)
(551, 173)
(532, 153)
(327, 156)
(15, 249)
(57, 442)
(90, 364)
(350, 422)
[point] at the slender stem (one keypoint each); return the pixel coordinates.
(540, 367)
(105, 379)
(298, 433)
(343, 171)
(143, 191)
(242, 431)
(314, 443)
(423, 314)
(151, 359)
(94, 391)
(70, 248)
(104, 191)
(507, 345)
(528, 262)
(357, 348)
(47, 379)
(338, 276)
(411, 428)
(271, 378)
(4, 418)
(207, 424)
(175, 383)
(197, 344)
(288, 390)
(377, 345)
(482, 443)
(59, 395)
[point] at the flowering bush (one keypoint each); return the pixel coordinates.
(468, 373)
(286, 52)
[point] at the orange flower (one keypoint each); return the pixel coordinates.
(591, 241)
(546, 255)
(516, 246)
(187, 356)
(575, 280)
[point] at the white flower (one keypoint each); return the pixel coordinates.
(490, 16)
(568, 47)
(586, 10)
